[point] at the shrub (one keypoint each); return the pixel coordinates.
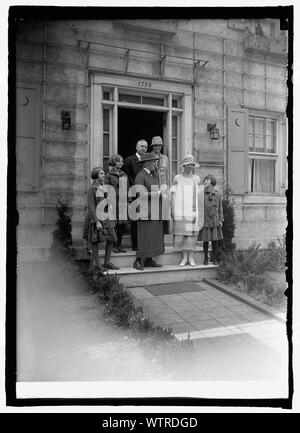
(248, 271)
(228, 227)
(120, 307)
(62, 235)
(276, 253)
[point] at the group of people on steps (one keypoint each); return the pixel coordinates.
(191, 210)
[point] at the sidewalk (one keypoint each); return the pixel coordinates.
(234, 340)
(63, 335)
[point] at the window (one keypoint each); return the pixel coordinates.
(262, 154)
(174, 144)
(106, 137)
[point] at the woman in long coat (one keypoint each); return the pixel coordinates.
(150, 236)
(187, 210)
(213, 219)
(98, 230)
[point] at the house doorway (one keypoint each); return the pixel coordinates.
(134, 124)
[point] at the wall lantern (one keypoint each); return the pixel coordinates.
(66, 119)
(213, 131)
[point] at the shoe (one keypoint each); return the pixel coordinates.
(116, 250)
(137, 265)
(110, 266)
(121, 250)
(192, 262)
(153, 264)
(183, 262)
(134, 248)
(99, 268)
(205, 260)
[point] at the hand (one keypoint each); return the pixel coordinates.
(99, 225)
(221, 224)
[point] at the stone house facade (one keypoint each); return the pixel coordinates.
(86, 89)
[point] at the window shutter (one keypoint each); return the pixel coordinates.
(27, 136)
(237, 155)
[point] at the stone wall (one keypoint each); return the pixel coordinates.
(238, 72)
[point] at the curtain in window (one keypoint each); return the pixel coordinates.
(262, 175)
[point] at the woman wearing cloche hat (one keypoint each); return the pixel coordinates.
(213, 219)
(187, 210)
(162, 171)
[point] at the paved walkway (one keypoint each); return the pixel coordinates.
(233, 340)
(63, 334)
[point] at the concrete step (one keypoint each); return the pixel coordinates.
(170, 257)
(131, 277)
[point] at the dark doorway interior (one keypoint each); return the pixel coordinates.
(136, 124)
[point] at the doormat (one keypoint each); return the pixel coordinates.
(173, 288)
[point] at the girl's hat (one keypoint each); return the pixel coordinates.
(113, 159)
(148, 157)
(212, 178)
(189, 159)
(157, 140)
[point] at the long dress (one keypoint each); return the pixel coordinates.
(188, 210)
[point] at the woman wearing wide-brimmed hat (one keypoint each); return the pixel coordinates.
(213, 219)
(187, 210)
(150, 236)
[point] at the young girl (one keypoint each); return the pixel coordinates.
(114, 177)
(187, 210)
(213, 219)
(96, 231)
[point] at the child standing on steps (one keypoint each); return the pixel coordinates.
(213, 219)
(96, 230)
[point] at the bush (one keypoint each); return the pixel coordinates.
(248, 271)
(276, 253)
(62, 235)
(229, 226)
(120, 307)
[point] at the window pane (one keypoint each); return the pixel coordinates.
(106, 144)
(106, 120)
(174, 168)
(174, 126)
(105, 164)
(259, 126)
(152, 101)
(174, 148)
(175, 103)
(259, 144)
(129, 98)
(270, 144)
(106, 95)
(262, 172)
(270, 127)
(251, 126)
(251, 143)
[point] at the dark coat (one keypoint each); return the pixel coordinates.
(112, 178)
(150, 234)
(145, 179)
(90, 232)
(131, 167)
(213, 209)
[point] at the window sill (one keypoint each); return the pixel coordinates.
(264, 199)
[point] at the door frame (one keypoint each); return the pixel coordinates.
(138, 86)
